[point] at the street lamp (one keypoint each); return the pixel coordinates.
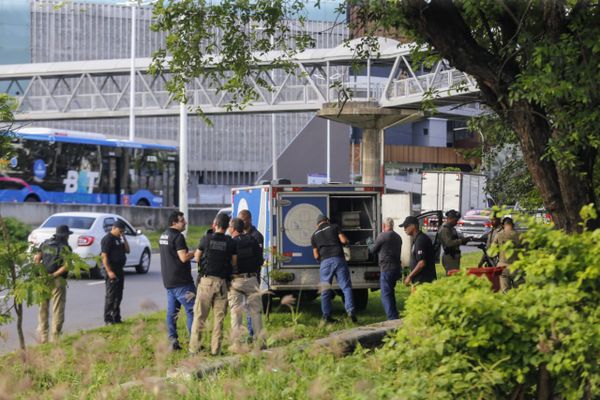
(133, 4)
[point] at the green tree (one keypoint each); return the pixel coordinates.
(536, 64)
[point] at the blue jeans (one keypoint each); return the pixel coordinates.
(175, 298)
(335, 267)
(387, 283)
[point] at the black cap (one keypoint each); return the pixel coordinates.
(410, 221)
(119, 224)
(508, 220)
(321, 218)
(63, 230)
(453, 214)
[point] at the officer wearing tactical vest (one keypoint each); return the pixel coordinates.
(451, 242)
(244, 285)
(212, 290)
(50, 256)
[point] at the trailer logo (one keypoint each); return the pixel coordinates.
(300, 223)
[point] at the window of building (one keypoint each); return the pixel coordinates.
(425, 131)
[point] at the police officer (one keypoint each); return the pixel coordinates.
(496, 227)
(451, 242)
(327, 244)
(422, 260)
(201, 260)
(508, 279)
(244, 285)
(176, 271)
(388, 246)
(249, 229)
(50, 255)
(212, 291)
(114, 248)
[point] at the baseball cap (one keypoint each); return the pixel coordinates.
(63, 230)
(410, 221)
(453, 214)
(321, 218)
(119, 224)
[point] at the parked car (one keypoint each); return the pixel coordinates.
(88, 231)
(475, 223)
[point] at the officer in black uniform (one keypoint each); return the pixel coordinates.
(422, 260)
(327, 244)
(212, 291)
(176, 271)
(244, 290)
(114, 249)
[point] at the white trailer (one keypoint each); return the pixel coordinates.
(287, 217)
(446, 191)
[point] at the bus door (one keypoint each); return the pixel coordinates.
(113, 168)
(170, 186)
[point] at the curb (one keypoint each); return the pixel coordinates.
(342, 342)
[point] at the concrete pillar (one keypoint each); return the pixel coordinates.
(371, 156)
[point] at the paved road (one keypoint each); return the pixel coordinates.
(85, 304)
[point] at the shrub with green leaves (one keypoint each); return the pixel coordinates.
(17, 230)
(460, 340)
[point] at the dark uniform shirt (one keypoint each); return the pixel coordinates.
(422, 249)
(249, 255)
(327, 241)
(257, 236)
(114, 247)
(175, 273)
(450, 240)
(219, 249)
(388, 246)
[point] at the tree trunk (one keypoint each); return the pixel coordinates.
(564, 191)
(19, 312)
(544, 384)
(13, 276)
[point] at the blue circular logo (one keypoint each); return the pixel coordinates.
(14, 162)
(39, 169)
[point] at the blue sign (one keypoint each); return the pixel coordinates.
(14, 162)
(39, 169)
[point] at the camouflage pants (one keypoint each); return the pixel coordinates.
(212, 294)
(59, 299)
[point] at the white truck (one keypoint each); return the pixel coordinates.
(460, 191)
(286, 215)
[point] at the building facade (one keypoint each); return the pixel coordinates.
(234, 150)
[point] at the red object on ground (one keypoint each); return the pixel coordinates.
(493, 274)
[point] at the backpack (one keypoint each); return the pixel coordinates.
(51, 258)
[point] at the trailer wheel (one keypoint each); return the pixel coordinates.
(361, 298)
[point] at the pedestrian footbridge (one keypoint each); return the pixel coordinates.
(100, 88)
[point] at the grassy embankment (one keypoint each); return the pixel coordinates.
(91, 364)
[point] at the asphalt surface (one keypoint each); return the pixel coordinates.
(85, 303)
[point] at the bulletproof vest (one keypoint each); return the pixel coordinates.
(51, 258)
(247, 257)
(218, 261)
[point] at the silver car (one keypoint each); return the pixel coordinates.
(476, 224)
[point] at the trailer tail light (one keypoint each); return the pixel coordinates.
(488, 224)
(460, 223)
(292, 189)
(372, 275)
(85, 241)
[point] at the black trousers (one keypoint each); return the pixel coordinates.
(114, 295)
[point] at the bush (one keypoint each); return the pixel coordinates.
(17, 230)
(460, 340)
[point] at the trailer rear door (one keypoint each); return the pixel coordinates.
(297, 219)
